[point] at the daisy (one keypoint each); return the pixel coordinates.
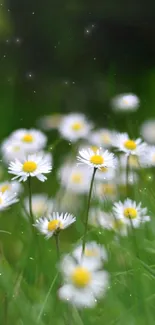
(74, 127)
(32, 140)
(11, 149)
(93, 253)
(75, 178)
(102, 138)
(41, 205)
(54, 223)
(10, 187)
(147, 131)
(34, 165)
(6, 199)
(105, 174)
(84, 283)
(130, 212)
(98, 159)
(50, 122)
(150, 157)
(131, 147)
(106, 191)
(125, 102)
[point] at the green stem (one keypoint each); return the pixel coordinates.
(127, 175)
(57, 245)
(30, 201)
(87, 211)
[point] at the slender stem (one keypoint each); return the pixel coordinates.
(30, 201)
(87, 211)
(5, 310)
(127, 175)
(57, 245)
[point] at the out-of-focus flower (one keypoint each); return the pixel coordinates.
(74, 127)
(106, 190)
(84, 282)
(11, 187)
(75, 178)
(41, 205)
(32, 140)
(54, 223)
(102, 138)
(130, 213)
(98, 159)
(34, 165)
(50, 122)
(131, 147)
(147, 131)
(94, 253)
(6, 199)
(11, 149)
(125, 102)
(105, 174)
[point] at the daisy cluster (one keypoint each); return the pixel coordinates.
(97, 176)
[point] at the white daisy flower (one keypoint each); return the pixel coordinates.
(130, 212)
(102, 138)
(6, 199)
(125, 102)
(75, 178)
(74, 127)
(131, 147)
(11, 149)
(106, 190)
(32, 140)
(97, 159)
(11, 187)
(34, 165)
(41, 205)
(147, 131)
(54, 223)
(50, 122)
(105, 174)
(83, 282)
(93, 253)
(150, 156)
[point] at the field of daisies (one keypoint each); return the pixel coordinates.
(77, 228)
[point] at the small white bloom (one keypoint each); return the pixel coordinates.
(54, 223)
(84, 283)
(93, 253)
(50, 122)
(131, 147)
(75, 178)
(105, 174)
(41, 205)
(102, 138)
(150, 156)
(11, 187)
(6, 199)
(11, 149)
(105, 190)
(32, 140)
(147, 131)
(130, 212)
(74, 127)
(97, 159)
(34, 165)
(125, 102)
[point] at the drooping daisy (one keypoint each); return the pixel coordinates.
(93, 253)
(41, 205)
(32, 140)
(34, 165)
(54, 223)
(131, 147)
(11, 187)
(130, 212)
(125, 102)
(6, 199)
(50, 122)
(147, 131)
(75, 178)
(74, 127)
(102, 138)
(106, 190)
(99, 159)
(84, 283)
(11, 149)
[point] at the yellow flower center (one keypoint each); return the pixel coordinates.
(1, 201)
(130, 213)
(97, 160)
(27, 138)
(4, 188)
(90, 252)
(118, 225)
(108, 189)
(77, 126)
(76, 178)
(103, 169)
(130, 144)
(29, 166)
(81, 277)
(94, 148)
(125, 101)
(16, 148)
(105, 138)
(54, 225)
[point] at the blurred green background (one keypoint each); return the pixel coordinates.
(74, 56)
